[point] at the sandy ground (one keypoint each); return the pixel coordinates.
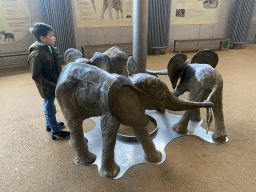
(31, 161)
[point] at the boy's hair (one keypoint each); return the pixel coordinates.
(40, 29)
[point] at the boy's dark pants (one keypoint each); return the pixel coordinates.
(50, 111)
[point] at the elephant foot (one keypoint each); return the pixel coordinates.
(109, 170)
(181, 129)
(219, 136)
(102, 17)
(89, 159)
(155, 158)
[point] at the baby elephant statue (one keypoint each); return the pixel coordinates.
(114, 60)
(85, 91)
(203, 82)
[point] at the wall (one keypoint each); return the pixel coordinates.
(23, 44)
(112, 35)
(252, 32)
(101, 35)
(217, 30)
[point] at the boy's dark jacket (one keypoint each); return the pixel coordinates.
(45, 68)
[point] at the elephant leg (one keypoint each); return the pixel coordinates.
(200, 97)
(79, 142)
(110, 10)
(219, 134)
(196, 116)
(109, 128)
(117, 13)
(151, 154)
(104, 9)
(182, 126)
(121, 10)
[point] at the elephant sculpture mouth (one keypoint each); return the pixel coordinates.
(125, 133)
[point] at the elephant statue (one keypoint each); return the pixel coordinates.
(85, 91)
(203, 82)
(114, 60)
(115, 4)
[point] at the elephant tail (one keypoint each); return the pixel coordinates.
(72, 55)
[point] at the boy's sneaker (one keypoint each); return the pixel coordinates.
(60, 135)
(61, 124)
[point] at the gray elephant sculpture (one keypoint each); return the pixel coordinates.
(114, 60)
(85, 91)
(203, 82)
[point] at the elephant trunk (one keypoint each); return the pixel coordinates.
(155, 73)
(71, 55)
(176, 104)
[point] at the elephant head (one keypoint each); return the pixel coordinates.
(113, 60)
(178, 66)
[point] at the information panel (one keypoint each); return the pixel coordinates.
(103, 13)
(15, 20)
(195, 11)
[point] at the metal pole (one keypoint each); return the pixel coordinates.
(140, 30)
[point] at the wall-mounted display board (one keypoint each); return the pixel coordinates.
(103, 13)
(195, 11)
(15, 20)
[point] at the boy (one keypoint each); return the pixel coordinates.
(45, 69)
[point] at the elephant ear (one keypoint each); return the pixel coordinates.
(176, 66)
(124, 103)
(206, 57)
(132, 66)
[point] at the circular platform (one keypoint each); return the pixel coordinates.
(125, 133)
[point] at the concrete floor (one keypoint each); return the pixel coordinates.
(31, 161)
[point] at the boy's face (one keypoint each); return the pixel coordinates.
(49, 39)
